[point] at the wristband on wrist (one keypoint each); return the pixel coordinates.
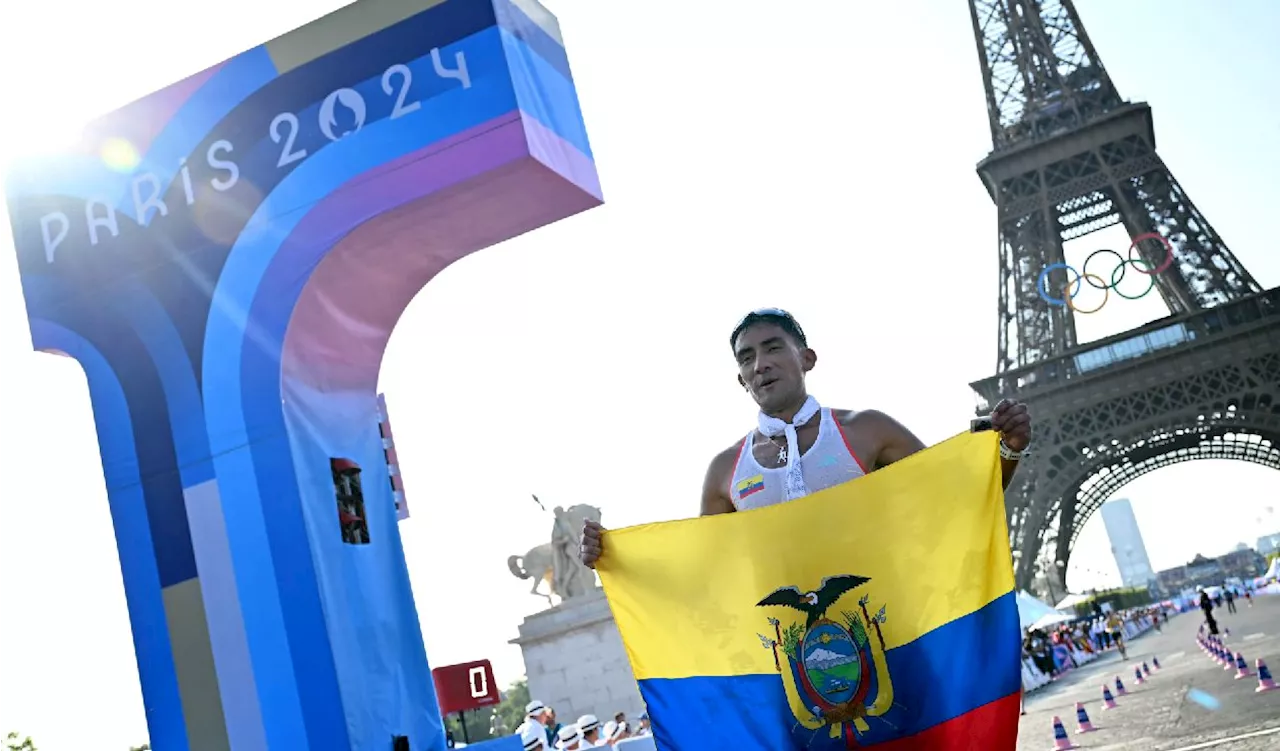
(1010, 454)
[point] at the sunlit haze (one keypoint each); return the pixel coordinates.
(819, 158)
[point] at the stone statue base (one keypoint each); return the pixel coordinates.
(575, 661)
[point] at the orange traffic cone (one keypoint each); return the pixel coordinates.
(1108, 701)
(1265, 683)
(1060, 740)
(1137, 676)
(1242, 667)
(1082, 719)
(1120, 687)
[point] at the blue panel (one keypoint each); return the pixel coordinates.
(134, 543)
(154, 464)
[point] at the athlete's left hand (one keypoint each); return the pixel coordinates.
(1011, 419)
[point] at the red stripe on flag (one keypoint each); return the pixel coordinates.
(991, 727)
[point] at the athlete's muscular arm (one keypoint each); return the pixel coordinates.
(715, 488)
(890, 441)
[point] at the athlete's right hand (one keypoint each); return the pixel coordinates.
(592, 543)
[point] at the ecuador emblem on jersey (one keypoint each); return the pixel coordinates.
(832, 661)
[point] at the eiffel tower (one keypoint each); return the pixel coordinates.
(1070, 156)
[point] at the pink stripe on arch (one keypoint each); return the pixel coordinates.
(427, 170)
(398, 231)
(466, 156)
(320, 223)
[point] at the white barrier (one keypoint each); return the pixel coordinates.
(1032, 678)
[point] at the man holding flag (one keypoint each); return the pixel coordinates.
(885, 608)
(800, 447)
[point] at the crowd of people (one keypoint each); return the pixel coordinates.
(1056, 649)
(1085, 637)
(541, 731)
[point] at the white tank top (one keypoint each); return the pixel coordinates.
(828, 462)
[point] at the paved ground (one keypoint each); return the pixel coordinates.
(1168, 712)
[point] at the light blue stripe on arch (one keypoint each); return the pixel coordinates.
(138, 565)
(545, 93)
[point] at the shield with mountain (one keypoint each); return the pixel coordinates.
(830, 660)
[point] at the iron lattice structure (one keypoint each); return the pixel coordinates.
(1070, 157)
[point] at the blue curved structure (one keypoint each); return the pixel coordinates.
(226, 259)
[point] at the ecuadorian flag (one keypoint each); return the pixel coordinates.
(877, 613)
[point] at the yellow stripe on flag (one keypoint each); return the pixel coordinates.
(929, 532)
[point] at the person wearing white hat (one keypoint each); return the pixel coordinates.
(535, 717)
(533, 736)
(569, 738)
(589, 725)
(536, 710)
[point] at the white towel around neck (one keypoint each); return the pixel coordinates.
(772, 427)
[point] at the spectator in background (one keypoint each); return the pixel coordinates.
(615, 731)
(1038, 649)
(533, 737)
(644, 728)
(620, 728)
(536, 716)
(1095, 631)
(590, 727)
(553, 727)
(1231, 599)
(568, 738)
(1206, 605)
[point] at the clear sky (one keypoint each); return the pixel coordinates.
(820, 159)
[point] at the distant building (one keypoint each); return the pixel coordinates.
(1126, 543)
(1245, 564)
(1269, 544)
(1210, 572)
(1201, 572)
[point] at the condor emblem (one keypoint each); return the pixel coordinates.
(831, 662)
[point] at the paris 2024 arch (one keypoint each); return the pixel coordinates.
(226, 259)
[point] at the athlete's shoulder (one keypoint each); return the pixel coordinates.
(864, 417)
(727, 458)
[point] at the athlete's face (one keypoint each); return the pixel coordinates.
(771, 365)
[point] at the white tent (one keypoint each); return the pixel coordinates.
(1070, 601)
(1031, 610)
(1273, 573)
(1051, 619)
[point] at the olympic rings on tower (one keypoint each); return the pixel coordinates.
(1117, 275)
